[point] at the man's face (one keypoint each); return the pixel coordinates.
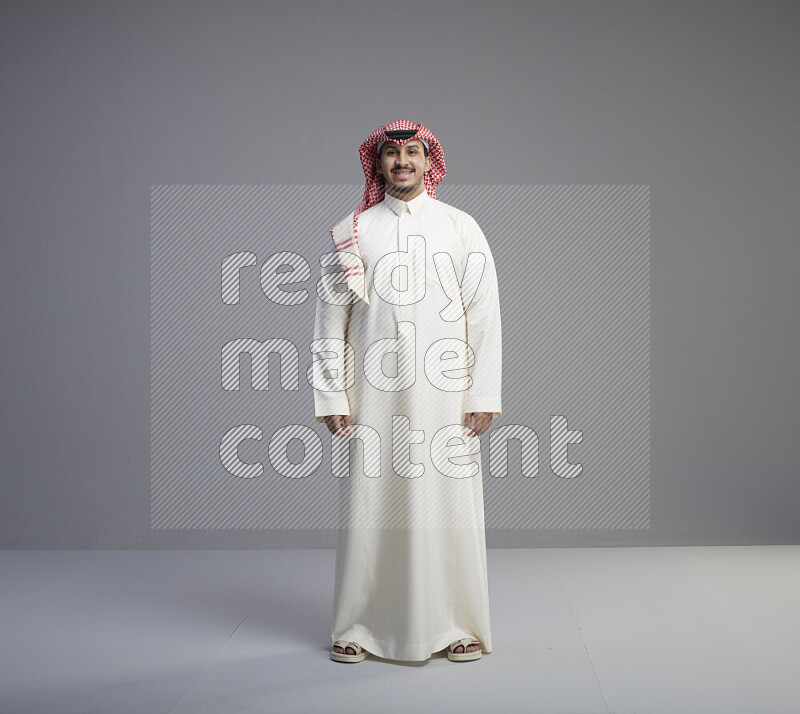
(404, 168)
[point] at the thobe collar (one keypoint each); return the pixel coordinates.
(414, 206)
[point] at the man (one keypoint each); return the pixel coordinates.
(420, 290)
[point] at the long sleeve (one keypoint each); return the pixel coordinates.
(484, 333)
(330, 323)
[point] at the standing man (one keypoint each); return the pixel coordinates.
(408, 367)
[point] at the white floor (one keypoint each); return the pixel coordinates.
(678, 630)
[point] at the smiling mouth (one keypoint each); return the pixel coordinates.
(402, 172)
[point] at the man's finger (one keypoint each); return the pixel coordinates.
(482, 422)
(333, 423)
(340, 425)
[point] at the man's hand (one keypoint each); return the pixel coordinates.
(336, 422)
(478, 421)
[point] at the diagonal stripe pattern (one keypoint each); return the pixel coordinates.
(233, 290)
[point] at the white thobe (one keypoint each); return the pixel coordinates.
(411, 573)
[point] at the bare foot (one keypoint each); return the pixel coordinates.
(338, 649)
(470, 648)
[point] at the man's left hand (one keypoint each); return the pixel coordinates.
(478, 421)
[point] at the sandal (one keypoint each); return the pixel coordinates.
(343, 656)
(464, 656)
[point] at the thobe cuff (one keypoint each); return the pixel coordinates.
(330, 404)
(476, 403)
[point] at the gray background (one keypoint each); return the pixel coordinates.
(100, 101)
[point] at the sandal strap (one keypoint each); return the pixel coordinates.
(344, 644)
(465, 641)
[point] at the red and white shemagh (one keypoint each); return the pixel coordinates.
(345, 234)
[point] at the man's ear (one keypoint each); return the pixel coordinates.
(428, 163)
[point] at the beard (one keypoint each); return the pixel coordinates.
(402, 190)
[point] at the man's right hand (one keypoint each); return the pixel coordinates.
(336, 422)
